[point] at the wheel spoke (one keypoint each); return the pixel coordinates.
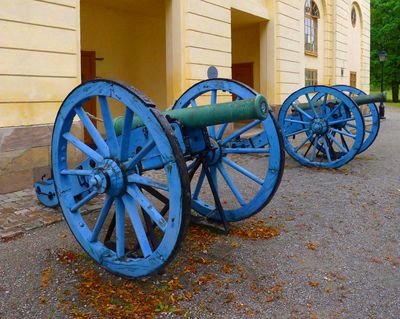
(341, 121)
(126, 134)
(120, 228)
(199, 184)
(245, 150)
(311, 105)
(84, 200)
(297, 132)
(296, 121)
(102, 217)
(193, 102)
(351, 125)
(240, 131)
(314, 149)
(80, 172)
(83, 147)
(325, 143)
(221, 131)
(93, 132)
(148, 207)
(109, 126)
(301, 111)
(231, 185)
(343, 133)
(301, 145)
(243, 171)
(309, 146)
(337, 143)
(139, 156)
(323, 106)
(334, 110)
(214, 177)
(137, 225)
(142, 180)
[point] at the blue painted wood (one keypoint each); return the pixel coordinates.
(321, 130)
(46, 193)
(370, 132)
(112, 169)
(268, 144)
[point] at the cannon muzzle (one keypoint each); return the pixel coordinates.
(207, 115)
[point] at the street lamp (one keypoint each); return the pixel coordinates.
(382, 59)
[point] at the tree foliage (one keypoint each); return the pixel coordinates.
(385, 34)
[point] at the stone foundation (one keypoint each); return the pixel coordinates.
(25, 155)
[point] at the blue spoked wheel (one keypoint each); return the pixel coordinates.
(322, 127)
(370, 113)
(143, 218)
(247, 160)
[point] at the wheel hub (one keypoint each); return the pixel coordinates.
(319, 126)
(214, 155)
(109, 177)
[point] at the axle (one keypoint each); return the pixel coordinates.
(208, 115)
(360, 100)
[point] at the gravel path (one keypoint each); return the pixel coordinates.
(337, 255)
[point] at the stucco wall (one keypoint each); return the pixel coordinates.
(132, 46)
(39, 54)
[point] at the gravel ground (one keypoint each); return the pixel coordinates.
(337, 255)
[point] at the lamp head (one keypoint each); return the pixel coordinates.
(382, 56)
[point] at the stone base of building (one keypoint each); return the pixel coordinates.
(25, 155)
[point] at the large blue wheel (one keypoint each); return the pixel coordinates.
(322, 127)
(143, 218)
(247, 160)
(370, 113)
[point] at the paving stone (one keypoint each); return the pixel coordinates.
(23, 211)
(48, 220)
(5, 234)
(32, 225)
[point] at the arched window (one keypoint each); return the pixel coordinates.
(311, 16)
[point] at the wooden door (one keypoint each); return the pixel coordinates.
(353, 79)
(243, 72)
(88, 72)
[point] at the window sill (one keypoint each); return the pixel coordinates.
(314, 54)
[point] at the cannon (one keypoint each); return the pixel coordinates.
(327, 127)
(149, 169)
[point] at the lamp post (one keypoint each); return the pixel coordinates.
(382, 59)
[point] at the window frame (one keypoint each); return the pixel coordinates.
(314, 80)
(311, 18)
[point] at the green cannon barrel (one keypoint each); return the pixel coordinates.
(207, 115)
(360, 100)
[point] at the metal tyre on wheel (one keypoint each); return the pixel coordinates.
(147, 216)
(247, 161)
(322, 127)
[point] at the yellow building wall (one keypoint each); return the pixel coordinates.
(39, 59)
(345, 48)
(132, 47)
(246, 48)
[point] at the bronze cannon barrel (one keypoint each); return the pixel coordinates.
(207, 115)
(360, 100)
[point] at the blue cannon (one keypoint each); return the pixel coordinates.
(149, 170)
(328, 126)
